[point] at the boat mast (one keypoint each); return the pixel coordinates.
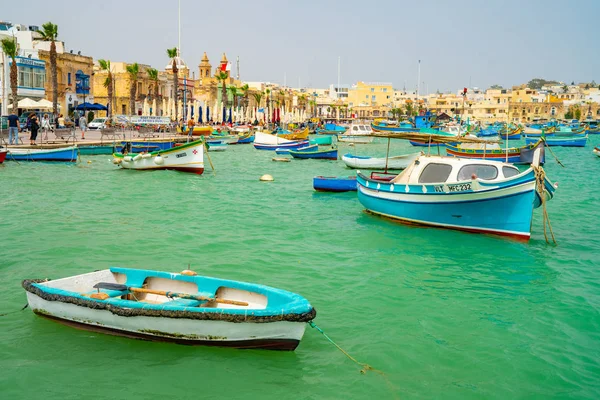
(337, 95)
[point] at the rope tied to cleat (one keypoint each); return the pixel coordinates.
(540, 176)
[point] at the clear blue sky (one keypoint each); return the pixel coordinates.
(506, 42)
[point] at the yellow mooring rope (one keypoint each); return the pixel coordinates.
(365, 367)
(540, 176)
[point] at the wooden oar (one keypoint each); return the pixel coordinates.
(120, 287)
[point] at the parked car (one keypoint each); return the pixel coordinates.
(98, 123)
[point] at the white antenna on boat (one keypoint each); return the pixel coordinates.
(179, 28)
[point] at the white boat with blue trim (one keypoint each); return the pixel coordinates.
(175, 307)
(470, 195)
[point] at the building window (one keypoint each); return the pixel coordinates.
(553, 111)
(69, 78)
(123, 109)
(373, 97)
(385, 90)
(372, 90)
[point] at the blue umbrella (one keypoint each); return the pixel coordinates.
(229, 119)
(207, 113)
(200, 115)
(224, 114)
(192, 111)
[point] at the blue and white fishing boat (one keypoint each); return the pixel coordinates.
(325, 154)
(245, 139)
(471, 195)
(572, 141)
(494, 152)
(390, 163)
(267, 141)
(63, 154)
(330, 129)
(334, 183)
(175, 307)
(312, 147)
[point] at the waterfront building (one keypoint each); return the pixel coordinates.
(74, 77)
(31, 69)
(370, 100)
(145, 103)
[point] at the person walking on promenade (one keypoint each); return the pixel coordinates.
(45, 126)
(61, 121)
(82, 125)
(34, 127)
(13, 128)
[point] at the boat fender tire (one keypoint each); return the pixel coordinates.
(138, 157)
(158, 160)
(127, 158)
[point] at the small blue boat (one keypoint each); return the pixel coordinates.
(334, 183)
(329, 154)
(306, 148)
(64, 154)
(331, 129)
(573, 141)
(245, 139)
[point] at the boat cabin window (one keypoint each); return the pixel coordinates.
(355, 128)
(509, 171)
(482, 171)
(435, 173)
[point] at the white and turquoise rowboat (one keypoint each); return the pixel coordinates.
(471, 195)
(182, 308)
(596, 151)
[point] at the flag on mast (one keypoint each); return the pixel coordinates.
(226, 67)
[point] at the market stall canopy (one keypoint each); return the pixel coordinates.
(91, 107)
(27, 103)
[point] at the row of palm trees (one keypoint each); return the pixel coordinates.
(48, 33)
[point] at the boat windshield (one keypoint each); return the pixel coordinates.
(355, 128)
(509, 171)
(482, 171)
(435, 173)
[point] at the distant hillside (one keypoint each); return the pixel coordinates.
(537, 83)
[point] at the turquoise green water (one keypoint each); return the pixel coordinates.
(444, 314)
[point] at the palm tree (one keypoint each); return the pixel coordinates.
(172, 53)
(268, 99)
(302, 102)
(258, 98)
(108, 83)
(153, 78)
(245, 88)
(233, 92)
(9, 47)
(133, 70)
(49, 33)
(222, 77)
(282, 98)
